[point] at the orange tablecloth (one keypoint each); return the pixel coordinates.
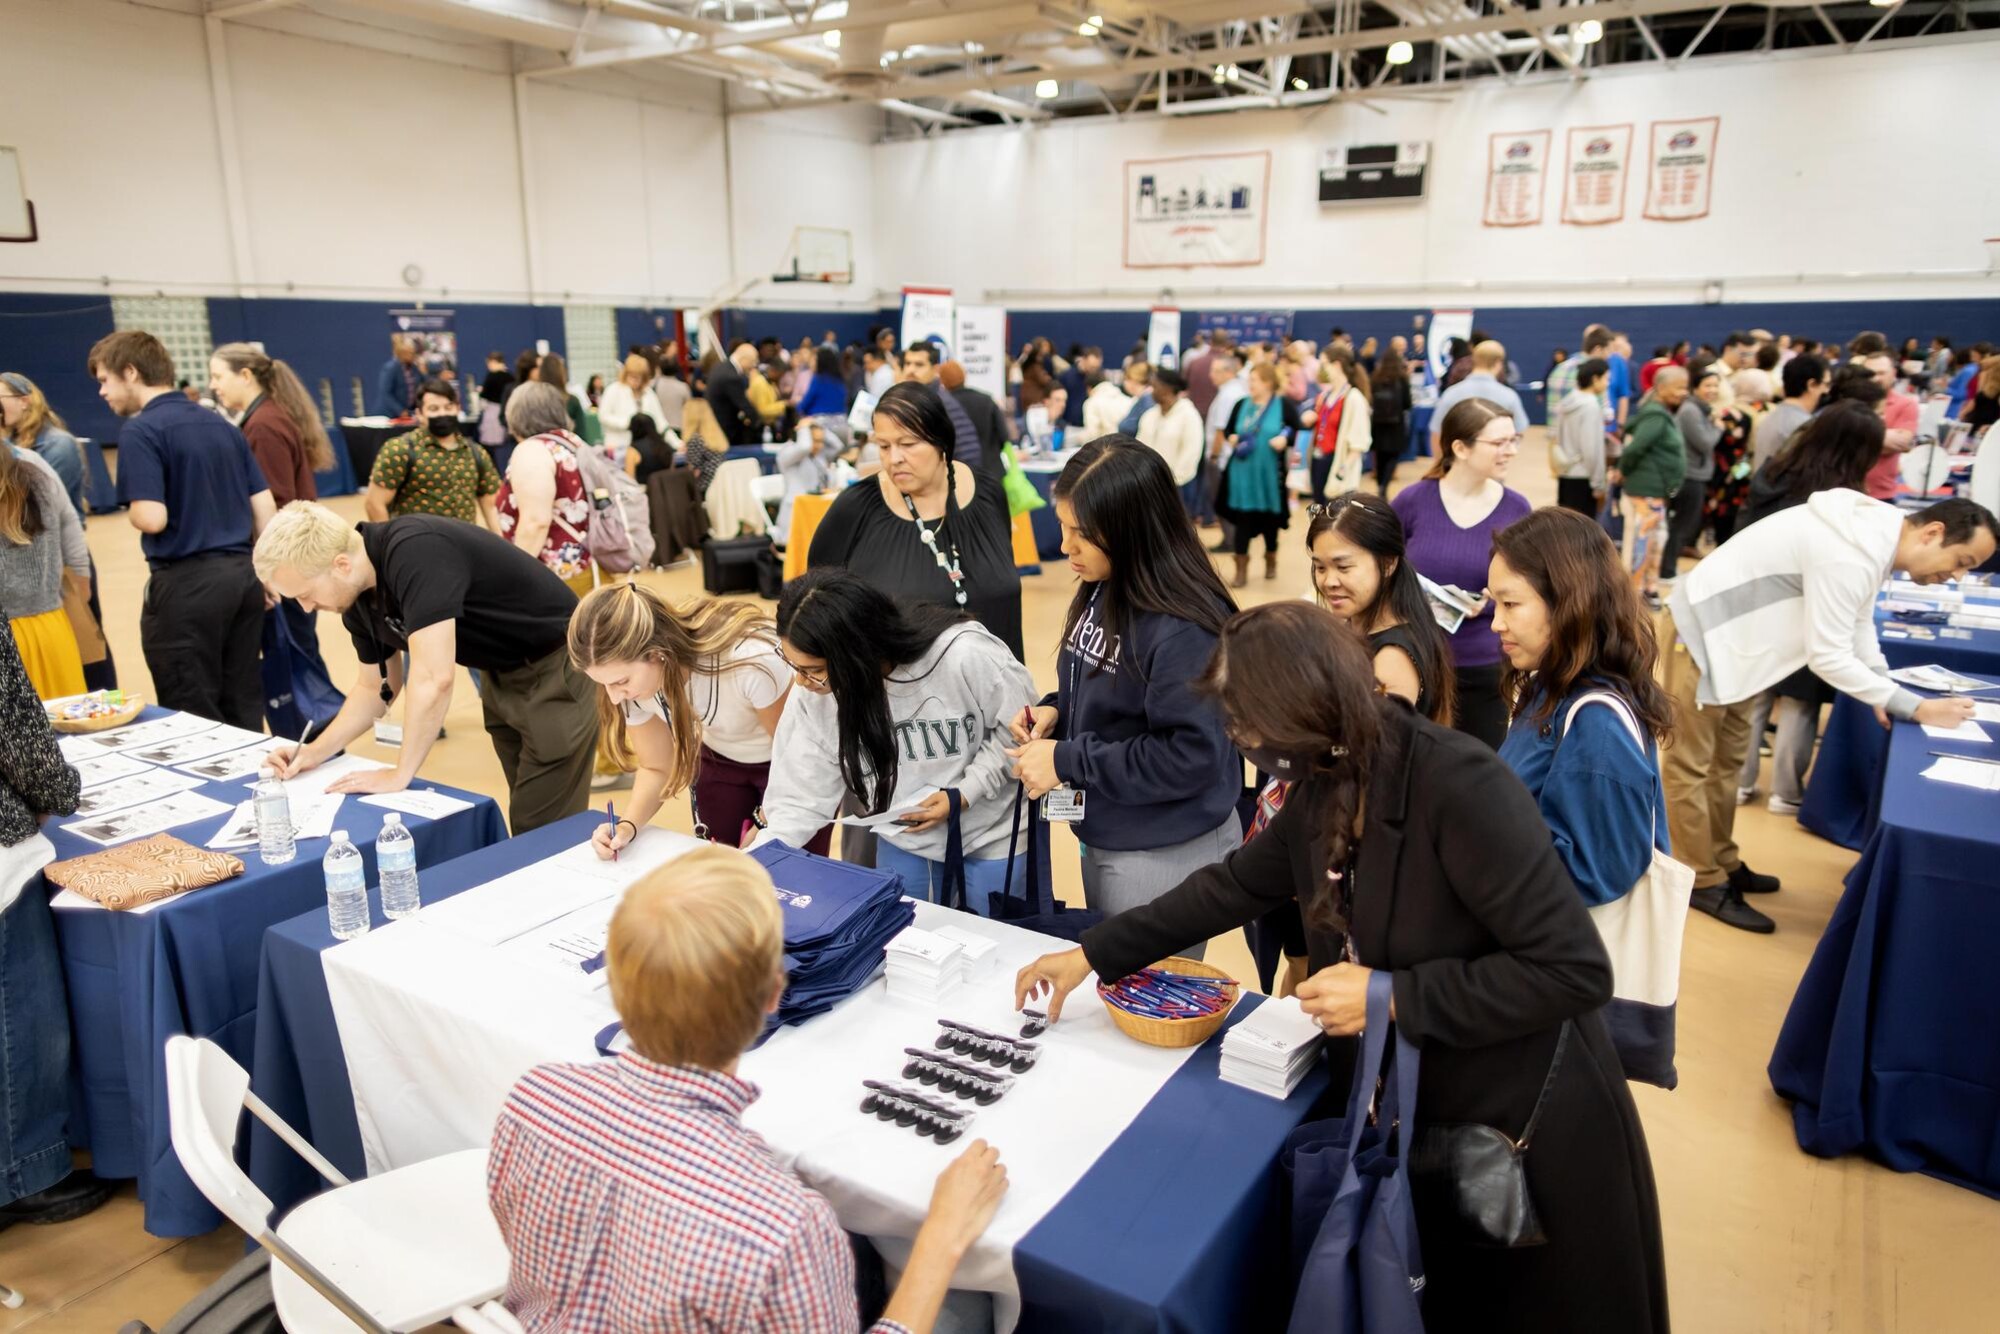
(807, 511)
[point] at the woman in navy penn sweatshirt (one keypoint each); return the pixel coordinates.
(1157, 772)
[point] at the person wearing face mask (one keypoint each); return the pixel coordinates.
(434, 469)
(1412, 850)
(1449, 519)
(691, 695)
(898, 705)
(1124, 734)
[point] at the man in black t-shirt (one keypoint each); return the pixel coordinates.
(445, 592)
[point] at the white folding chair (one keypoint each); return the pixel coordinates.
(732, 501)
(769, 489)
(394, 1252)
(1986, 470)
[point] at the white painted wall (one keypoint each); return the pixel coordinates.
(364, 150)
(1825, 166)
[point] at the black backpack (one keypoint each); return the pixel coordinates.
(1386, 404)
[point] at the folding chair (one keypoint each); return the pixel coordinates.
(391, 1253)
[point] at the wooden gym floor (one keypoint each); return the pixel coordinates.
(1760, 1237)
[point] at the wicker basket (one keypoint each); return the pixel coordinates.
(133, 707)
(1174, 1032)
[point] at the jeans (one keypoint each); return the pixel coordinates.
(1116, 880)
(924, 879)
(34, 1045)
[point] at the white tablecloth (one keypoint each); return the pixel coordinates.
(437, 1027)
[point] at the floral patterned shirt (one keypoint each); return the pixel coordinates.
(566, 549)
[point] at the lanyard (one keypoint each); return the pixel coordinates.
(1076, 662)
(929, 537)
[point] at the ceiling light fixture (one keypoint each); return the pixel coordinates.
(1095, 20)
(1299, 85)
(1086, 30)
(1401, 53)
(1588, 31)
(1232, 74)
(832, 39)
(1046, 89)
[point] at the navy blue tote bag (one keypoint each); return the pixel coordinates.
(1354, 1227)
(297, 687)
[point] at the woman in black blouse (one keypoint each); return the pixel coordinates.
(1411, 847)
(36, 1183)
(925, 529)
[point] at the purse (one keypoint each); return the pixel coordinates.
(1642, 932)
(1479, 1176)
(144, 871)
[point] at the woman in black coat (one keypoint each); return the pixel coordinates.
(1453, 885)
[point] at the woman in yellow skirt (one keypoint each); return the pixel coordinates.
(40, 536)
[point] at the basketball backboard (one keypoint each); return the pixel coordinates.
(818, 255)
(17, 215)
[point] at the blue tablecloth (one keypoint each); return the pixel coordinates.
(1845, 783)
(100, 493)
(190, 966)
(1889, 1048)
(1131, 1247)
(1419, 445)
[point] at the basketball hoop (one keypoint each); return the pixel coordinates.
(818, 255)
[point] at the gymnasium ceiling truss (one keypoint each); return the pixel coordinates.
(941, 65)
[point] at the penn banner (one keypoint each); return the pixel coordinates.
(1445, 326)
(979, 344)
(1680, 167)
(1594, 169)
(1208, 211)
(1517, 166)
(435, 334)
(1163, 337)
(927, 318)
(1247, 326)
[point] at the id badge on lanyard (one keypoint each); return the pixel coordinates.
(1064, 804)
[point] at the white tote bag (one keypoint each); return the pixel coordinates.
(1642, 933)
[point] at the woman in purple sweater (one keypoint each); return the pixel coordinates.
(1449, 519)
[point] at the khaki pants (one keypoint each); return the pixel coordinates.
(1701, 769)
(543, 721)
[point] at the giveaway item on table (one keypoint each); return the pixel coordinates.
(1272, 1050)
(144, 872)
(924, 966)
(980, 951)
(915, 1111)
(99, 711)
(123, 793)
(958, 1078)
(151, 818)
(995, 1049)
(1175, 1003)
(838, 919)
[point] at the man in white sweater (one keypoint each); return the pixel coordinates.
(1174, 428)
(1794, 590)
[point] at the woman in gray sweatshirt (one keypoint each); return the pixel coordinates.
(1701, 427)
(896, 705)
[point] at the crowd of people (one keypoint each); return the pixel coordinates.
(1431, 799)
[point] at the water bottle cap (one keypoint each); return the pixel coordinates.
(339, 836)
(266, 772)
(393, 817)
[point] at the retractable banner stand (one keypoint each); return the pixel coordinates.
(1186, 211)
(980, 346)
(1594, 168)
(1163, 337)
(1680, 167)
(1517, 168)
(436, 334)
(927, 318)
(1445, 326)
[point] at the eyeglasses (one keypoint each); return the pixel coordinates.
(813, 677)
(1502, 444)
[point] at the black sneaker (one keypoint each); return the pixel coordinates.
(1725, 905)
(72, 1197)
(1746, 881)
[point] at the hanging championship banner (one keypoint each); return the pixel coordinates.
(1445, 326)
(1680, 168)
(927, 319)
(979, 344)
(1594, 174)
(1186, 211)
(1163, 338)
(1516, 167)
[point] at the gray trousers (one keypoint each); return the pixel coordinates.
(1115, 881)
(1791, 752)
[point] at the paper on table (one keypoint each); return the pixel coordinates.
(417, 801)
(240, 829)
(234, 764)
(315, 781)
(1930, 676)
(1967, 731)
(534, 895)
(313, 814)
(147, 734)
(75, 747)
(1986, 710)
(195, 746)
(1966, 773)
(133, 791)
(571, 947)
(139, 821)
(889, 817)
(105, 766)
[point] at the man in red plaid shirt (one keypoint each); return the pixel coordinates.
(631, 1196)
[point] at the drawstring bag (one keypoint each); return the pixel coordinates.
(1037, 908)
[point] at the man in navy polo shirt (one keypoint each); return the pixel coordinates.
(196, 494)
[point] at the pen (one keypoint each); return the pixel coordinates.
(1973, 759)
(304, 736)
(612, 816)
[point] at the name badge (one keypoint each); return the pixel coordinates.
(1063, 805)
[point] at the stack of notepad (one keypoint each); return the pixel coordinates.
(1271, 1051)
(925, 965)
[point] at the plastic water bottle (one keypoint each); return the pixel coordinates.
(396, 863)
(346, 888)
(275, 841)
